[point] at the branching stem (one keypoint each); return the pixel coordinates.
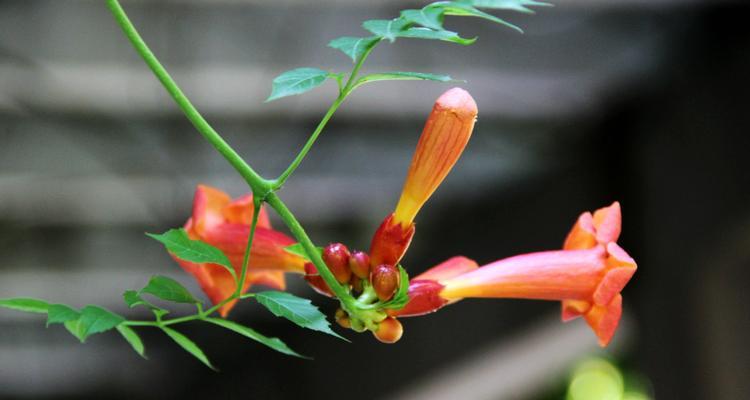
(263, 189)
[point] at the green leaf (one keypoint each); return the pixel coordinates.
(298, 250)
(25, 304)
(74, 327)
(168, 289)
(133, 339)
(178, 243)
(133, 299)
(386, 28)
(274, 343)
(467, 10)
(188, 345)
(403, 76)
(60, 314)
(512, 5)
(429, 17)
(426, 33)
(353, 47)
(296, 81)
(399, 27)
(93, 319)
(296, 309)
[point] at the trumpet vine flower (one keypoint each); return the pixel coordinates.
(587, 276)
(443, 139)
(225, 223)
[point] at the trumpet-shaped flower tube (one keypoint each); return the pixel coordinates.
(225, 223)
(444, 137)
(587, 276)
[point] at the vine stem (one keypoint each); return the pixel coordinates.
(298, 231)
(261, 187)
(343, 93)
(258, 184)
(279, 182)
(246, 259)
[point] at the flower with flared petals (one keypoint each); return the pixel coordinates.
(225, 223)
(587, 276)
(443, 139)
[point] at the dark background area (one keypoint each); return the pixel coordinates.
(644, 102)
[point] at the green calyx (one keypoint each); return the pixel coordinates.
(366, 311)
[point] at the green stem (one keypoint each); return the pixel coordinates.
(245, 261)
(353, 76)
(343, 93)
(279, 182)
(165, 322)
(259, 185)
(291, 222)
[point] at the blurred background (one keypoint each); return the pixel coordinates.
(639, 101)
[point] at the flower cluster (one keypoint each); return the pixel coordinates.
(587, 275)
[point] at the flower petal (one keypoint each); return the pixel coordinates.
(240, 211)
(272, 279)
(604, 319)
(208, 204)
(608, 222)
(618, 257)
(583, 234)
(267, 252)
(449, 268)
(622, 268)
(213, 279)
(572, 309)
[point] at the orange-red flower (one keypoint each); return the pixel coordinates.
(225, 223)
(444, 137)
(587, 276)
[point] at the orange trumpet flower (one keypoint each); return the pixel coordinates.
(225, 223)
(443, 139)
(587, 276)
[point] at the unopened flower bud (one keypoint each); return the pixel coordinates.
(343, 319)
(385, 280)
(316, 281)
(443, 139)
(336, 257)
(359, 262)
(389, 331)
(390, 242)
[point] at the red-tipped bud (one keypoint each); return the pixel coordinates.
(390, 242)
(336, 257)
(316, 281)
(359, 262)
(385, 279)
(342, 318)
(389, 330)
